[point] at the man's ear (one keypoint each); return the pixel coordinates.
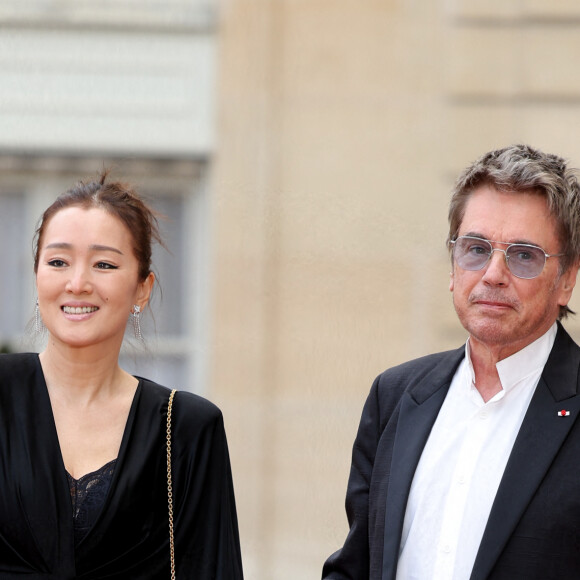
(568, 281)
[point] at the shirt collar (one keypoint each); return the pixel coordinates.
(523, 363)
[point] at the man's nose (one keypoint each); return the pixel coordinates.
(496, 270)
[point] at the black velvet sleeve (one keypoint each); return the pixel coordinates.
(206, 528)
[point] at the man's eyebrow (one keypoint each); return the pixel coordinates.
(515, 241)
(475, 235)
(95, 247)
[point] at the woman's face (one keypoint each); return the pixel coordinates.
(87, 278)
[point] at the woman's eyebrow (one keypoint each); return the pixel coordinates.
(97, 247)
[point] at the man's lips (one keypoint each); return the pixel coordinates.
(493, 302)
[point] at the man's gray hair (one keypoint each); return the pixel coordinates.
(520, 168)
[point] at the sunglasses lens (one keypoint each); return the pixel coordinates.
(525, 261)
(472, 253)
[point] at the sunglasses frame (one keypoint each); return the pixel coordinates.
(505, 253)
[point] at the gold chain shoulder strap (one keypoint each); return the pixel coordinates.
(170, 486)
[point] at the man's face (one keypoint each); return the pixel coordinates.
(500, 311)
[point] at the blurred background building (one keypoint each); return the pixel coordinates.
(303, 151)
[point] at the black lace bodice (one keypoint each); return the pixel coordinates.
(88, 495)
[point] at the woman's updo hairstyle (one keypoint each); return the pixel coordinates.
(118, 199)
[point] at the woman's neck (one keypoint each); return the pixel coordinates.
(83, 374)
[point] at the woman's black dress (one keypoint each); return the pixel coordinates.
(128, 537)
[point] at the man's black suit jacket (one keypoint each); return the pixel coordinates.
(533, 530)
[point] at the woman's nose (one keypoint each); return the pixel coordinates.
(79, 281)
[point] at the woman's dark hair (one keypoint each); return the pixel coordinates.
(118, 199)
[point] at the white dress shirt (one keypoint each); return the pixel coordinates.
(462, 464)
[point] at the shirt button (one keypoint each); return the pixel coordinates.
(483, 415)
(447, 548)
(461, 480)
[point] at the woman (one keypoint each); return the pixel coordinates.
(83, 444)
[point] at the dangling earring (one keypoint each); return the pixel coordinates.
(136, 314)
(38, 324)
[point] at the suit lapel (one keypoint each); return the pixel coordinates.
(419, 408)
(540, 437)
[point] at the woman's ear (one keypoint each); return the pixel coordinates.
(144, 291)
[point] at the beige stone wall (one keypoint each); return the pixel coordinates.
(341, 126)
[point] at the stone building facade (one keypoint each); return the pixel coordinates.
(305, 150)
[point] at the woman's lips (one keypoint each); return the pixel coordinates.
(79, 309)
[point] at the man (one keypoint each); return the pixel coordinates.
(466, 464)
